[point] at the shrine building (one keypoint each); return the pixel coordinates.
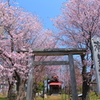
(55, 85)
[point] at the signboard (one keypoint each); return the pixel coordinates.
(96, 53)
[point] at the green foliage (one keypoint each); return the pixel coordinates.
(40, 87)
(80, 89)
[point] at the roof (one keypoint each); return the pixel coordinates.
(55, 84)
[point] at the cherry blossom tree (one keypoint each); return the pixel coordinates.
(79, 22)
(20, 30)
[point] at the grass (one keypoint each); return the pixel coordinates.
(58, 97)
(3, 97)
(93, 96)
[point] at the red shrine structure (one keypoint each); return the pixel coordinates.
(55, 85)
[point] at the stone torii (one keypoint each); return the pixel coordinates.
(54, 52)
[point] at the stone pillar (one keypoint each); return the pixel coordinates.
(73, 79)
(30, 80)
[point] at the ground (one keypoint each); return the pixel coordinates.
(93, 96)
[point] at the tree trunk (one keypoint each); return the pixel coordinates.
(21, 92)
(12, 92)
(86, 80)
(86, 91)
(47, 85)
(34, 91)
(20, 86)
(10, 89)
(8, 92)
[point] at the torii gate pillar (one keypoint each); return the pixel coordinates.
(73, 78)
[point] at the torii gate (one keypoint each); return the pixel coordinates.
(54, 52)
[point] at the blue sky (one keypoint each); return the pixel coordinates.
(45, 9)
